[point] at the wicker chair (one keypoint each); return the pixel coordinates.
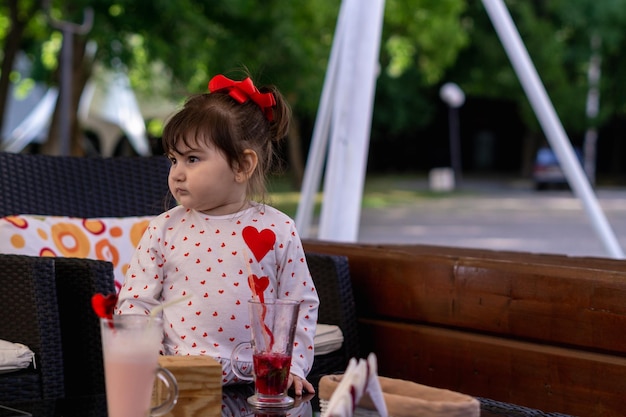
(76, 281)
(331, 276)
(30, 316)
(77, 187)
(83, 187)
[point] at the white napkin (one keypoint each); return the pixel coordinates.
(14, 356)
(360, 377)
(381, 396)
(328, 338)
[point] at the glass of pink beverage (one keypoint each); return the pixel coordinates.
(272, 327)
(130, 348)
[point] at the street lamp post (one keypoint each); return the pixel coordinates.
(454, 97)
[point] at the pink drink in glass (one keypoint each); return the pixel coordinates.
(130, 379)
(271, 372)
(130, 348)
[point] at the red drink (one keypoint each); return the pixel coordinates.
(271, 372)
(272, 327)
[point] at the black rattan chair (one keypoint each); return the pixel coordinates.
(29, 315)
(331, 276)
(77, 280)
(83, 187)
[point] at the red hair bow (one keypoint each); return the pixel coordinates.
(242, 91)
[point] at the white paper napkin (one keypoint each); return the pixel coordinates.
(360, 377)
(328, 338)
(14, 356)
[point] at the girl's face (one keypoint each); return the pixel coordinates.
(201, 179)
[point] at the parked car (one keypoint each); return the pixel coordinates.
(547, 172)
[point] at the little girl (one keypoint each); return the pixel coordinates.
(219, 247)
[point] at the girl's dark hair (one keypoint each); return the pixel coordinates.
(232, 127)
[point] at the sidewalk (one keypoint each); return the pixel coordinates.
(501, 216)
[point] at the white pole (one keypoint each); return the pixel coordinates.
(527, 74)
(319, 142)
(351, 123)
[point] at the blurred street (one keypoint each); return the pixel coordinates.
(500, 215)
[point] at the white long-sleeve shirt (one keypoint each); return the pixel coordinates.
(184, 252)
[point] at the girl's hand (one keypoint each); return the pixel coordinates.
(300, 385)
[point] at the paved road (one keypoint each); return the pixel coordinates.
(503, 215)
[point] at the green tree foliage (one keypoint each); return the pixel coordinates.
(16, 29)
(581, 21)
(557, 35)
(172, 48)
(421, 40)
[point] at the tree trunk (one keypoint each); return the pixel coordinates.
(81, 71)
(12, 45)
(593, 105)
(295, 153)
(530, 143)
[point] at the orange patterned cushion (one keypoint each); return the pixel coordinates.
(110, 239)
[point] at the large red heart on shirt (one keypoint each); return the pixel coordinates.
(259, 242)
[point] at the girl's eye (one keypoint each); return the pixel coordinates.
(193, 159)
(172, 160)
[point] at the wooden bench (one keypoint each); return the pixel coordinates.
(542, 331)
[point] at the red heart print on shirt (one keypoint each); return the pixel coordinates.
(260, 243)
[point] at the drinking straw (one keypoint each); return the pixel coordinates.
(156, 310)
(267, 333)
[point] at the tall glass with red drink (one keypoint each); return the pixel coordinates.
(272, 326)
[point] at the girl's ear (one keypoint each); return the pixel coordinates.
(249, 163)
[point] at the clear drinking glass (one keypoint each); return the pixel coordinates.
(272, 328)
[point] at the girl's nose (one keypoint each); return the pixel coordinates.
(177, 173)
